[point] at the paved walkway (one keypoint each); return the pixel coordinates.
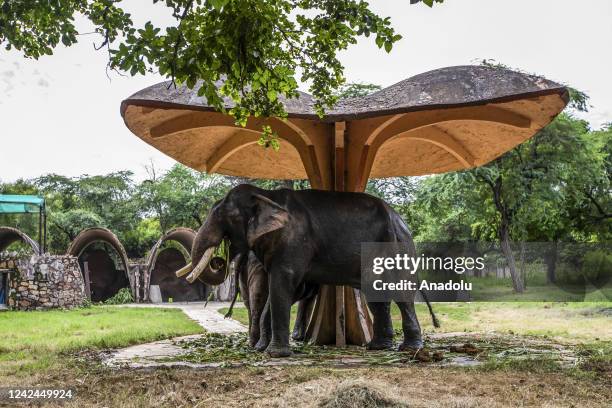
(154, 354)
(208, 317)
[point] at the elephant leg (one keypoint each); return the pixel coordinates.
(265, 328)
(410, 327)
(305, 307)
(245, 295)
(258, 296)
(383, 328)
(281, 297)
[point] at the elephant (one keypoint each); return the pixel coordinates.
(304, 237)
(168, 260)
(253, 284)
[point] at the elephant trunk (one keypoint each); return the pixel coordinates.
(203, 266)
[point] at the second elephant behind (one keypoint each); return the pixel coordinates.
(254, 291)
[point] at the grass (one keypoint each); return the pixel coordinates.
(37, 346)
(38, 340)
(495, 289)
(576, 322)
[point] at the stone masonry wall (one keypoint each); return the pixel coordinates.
(44, 282)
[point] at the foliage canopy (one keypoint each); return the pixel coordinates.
(249, 51)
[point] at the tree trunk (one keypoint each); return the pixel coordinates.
(523, 266)
(551, 263)
(504, 235)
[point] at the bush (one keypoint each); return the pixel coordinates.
(123, 296)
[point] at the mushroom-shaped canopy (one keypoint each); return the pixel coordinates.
(443, 120)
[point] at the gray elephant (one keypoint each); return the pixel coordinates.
(305, 237)
(253, 284)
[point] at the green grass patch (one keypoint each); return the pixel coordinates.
(36, 340)
(573, 321)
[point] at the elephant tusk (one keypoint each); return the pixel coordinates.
(199, 268)
(184, 270)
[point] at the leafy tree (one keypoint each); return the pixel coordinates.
(538, 191)
(354, 89)
(180, 197)
(74, 204)
(64, 226)
(256, 47)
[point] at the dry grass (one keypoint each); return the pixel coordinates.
(414, 385)
(560, 321)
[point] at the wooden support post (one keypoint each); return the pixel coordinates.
(87, 281)
(339, 162)
(340, 314)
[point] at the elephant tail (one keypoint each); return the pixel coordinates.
(434, 319)
(230, 311)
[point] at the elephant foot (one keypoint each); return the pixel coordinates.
(276, 351)
(262, 344)
(411, 345)
(298, 334)
(253, 342)
(378, 344)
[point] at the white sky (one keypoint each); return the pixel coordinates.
(61, 114)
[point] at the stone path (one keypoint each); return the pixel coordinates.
(458, 349)
(208, 317)
(154, 354)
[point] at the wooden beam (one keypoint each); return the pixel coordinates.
(234, 143)
(444, 140)
(197, 120)
(414, 120)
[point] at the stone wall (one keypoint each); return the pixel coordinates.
(44, 282)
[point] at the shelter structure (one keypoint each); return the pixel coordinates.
(163, 261)
(444, 120)
(105, 270)
(27, 204)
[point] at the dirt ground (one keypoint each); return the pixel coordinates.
(408, 385)
(497, 369)
(413, 385)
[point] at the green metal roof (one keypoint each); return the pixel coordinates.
(20, 204)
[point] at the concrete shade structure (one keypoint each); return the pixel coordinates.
(444, 120)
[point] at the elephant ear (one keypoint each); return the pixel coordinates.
(269, 216)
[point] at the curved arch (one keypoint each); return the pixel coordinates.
(242, 137)
(184, 237)
(442, 139)
(89, 236)
(8, 235)
(405, 122)
(195, 120)
(236, 142)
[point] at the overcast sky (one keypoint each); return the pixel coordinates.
(61, 114)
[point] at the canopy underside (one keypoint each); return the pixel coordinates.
(412, 143)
